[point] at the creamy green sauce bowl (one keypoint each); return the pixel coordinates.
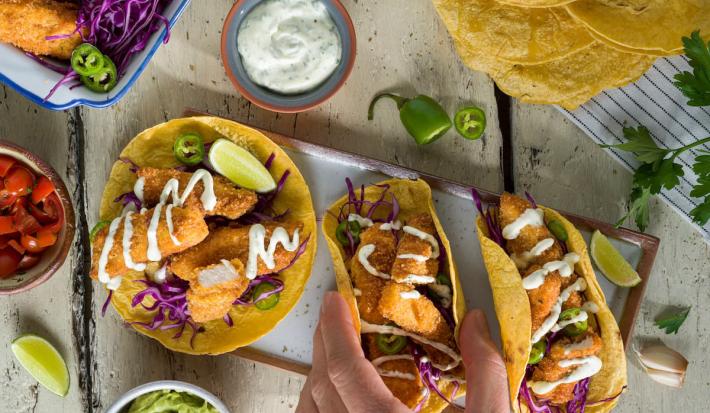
(158, 396)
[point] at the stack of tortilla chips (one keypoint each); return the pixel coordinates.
(566, 51)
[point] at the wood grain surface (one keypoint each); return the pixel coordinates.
(402, 46)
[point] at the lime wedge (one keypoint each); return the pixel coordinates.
(240, 166)
(39, 357)
(611, 263)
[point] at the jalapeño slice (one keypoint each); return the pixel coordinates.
(104, 80)
(95, 230)
(353, 227)
(537, 352)
(577, 328)
(470, 122)
(189, 149)
(87, 60)
(390, 343)
(268, 302)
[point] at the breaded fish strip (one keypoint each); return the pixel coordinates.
(418, 315)
(407, 391)
(214, 288)
(229, 243)
(411, 245)
(549, 370)
(381, 259)
(27, 23)
(232, 202)
(544, 297)
(189, 228)
(512, 207)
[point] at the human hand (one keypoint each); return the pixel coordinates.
(342, 380)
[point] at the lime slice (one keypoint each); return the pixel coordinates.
(39, 357)
(240, 166)
(611, 263)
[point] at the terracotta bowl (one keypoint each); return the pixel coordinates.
(54, 257)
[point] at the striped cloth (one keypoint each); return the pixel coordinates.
(652, 101)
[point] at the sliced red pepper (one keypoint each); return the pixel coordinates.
(16, 245)
(7, 226)
(54, 208)
(9, 261)
(28, 261)
(6, 199)
(19, 181)
(6, 163)
(43, 217)
(31, 244)
(46, 238)
(42, 189)
(24, 222)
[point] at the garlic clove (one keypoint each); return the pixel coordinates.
(663, 364)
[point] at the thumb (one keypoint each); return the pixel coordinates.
(486, 378)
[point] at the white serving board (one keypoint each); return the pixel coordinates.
(292, 340)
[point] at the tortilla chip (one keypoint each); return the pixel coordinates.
(513, 312)
(414, 198)
(513, 34)
(653, 25)
(154, 147)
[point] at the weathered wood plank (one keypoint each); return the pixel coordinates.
(47, 309)
(563, 168)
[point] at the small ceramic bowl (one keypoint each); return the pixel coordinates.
(269, 99)
(54, 256)
(121, 405)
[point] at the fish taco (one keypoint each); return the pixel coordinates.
(562, 346)
(394, 267)
(205, 242)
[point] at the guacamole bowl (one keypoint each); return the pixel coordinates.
(186, 391)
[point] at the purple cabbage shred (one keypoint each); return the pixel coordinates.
(490, 215)
(247, 299)
(129, 198)
(133, 167)
(531, 199)
(105, 306)
(429, 375)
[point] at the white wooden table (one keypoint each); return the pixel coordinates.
(402, 46)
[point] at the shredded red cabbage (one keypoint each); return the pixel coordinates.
(247, 299)
(528, 398)
(531, 199)
(118, 28)
(429, 375)
(301, 249)
(49, 65)
(129, 198)
(169, 307)
(133, 167)
(579, 399)
(491, 217)
(105, 306)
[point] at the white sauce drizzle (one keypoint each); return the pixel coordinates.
(588, 366)
(582, 345)
(161, 275)
(590, 307)
(391, 373)
(257, 247)
(415, 257)
(582, 316)
(115, 282)
(169, 221)
(426, 237)
(138, 188)
(410, 295)
(388, 226)
(534, 217)
(357, 292)
(127, 236)
(417, 279)
(579, 285)
(564, 267)
(363, 255)
(374, 328)
(153, 252)
(522, 260)
(364, 222)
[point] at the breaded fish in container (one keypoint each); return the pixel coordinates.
(394, 267)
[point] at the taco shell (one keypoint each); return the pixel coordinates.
(154, 147)
(513, 312)
(414, 197)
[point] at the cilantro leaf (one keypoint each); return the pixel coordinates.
(638, 208)
(659, 175)
(696, 86)
(672, 322)
(640, 143)
(701, 213)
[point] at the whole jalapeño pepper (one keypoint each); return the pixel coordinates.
(422, 116)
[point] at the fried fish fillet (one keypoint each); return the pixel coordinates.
(189, 228)
(544, 297)
(232, 202)
(229, 243)
(27, 23)
(418, 315)
(381, 259)
(214, 288)
(406, 390)
(512, 207)
(410, 246)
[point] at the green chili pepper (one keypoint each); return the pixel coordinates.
(353, 227)
(268, 302)
(443, 279)
(390, 343)
(98, 227)
(87, 60)
(104, 80)
(537, 352)
(557, 229)
(189, 149)
(422, 116)
(577, 328)
(470, 122)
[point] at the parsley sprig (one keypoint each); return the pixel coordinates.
(658, 169)
(672, 322)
